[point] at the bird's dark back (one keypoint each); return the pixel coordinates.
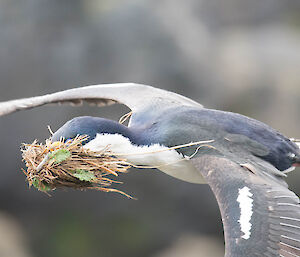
(183, 125)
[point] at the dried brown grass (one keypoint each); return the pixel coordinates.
(69, 165)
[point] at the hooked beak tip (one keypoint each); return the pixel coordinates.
(42, 163)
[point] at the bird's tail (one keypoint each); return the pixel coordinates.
(296, 141)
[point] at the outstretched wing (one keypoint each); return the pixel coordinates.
(260, 216)
(135, 96)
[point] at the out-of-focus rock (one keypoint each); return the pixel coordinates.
(194, 246)
(264, 60)
(12, 238)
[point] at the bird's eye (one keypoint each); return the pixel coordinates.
(68, 140)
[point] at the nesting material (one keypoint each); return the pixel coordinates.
(61, 165)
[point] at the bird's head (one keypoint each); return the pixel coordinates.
(90, 126)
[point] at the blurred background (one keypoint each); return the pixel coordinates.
(235, 55)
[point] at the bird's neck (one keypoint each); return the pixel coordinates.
(154, 154)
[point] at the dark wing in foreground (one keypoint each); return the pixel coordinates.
(135, 96)
(260, 216)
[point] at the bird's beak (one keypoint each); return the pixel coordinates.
(52, 147)
(42, 163)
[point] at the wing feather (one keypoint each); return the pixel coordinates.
(135, 96)
(274, 229)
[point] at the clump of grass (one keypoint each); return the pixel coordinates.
(68, 165)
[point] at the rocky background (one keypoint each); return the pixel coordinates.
(235, 55)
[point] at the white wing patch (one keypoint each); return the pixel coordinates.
(246, 204)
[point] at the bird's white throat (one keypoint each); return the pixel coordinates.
(163, 158)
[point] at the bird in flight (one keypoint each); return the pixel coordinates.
(245, 162)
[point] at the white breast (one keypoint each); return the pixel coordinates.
(167, 160)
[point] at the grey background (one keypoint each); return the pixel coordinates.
(235, 55)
